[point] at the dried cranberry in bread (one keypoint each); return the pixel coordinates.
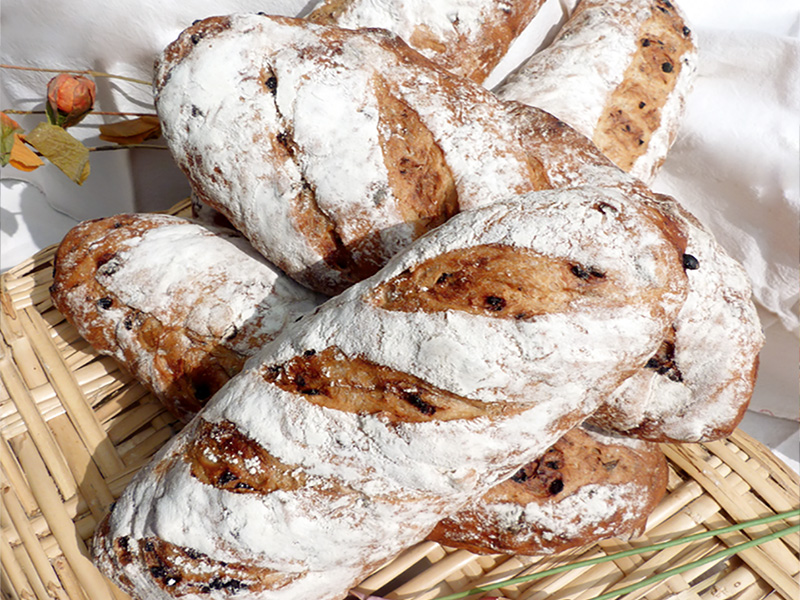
(587, 487)
(400, 400)
(618, 72)
(178, 304)
(467, 37)
(331, 149)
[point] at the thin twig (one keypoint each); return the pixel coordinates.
(79, 72)
(12, 111)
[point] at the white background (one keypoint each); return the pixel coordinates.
(736, 163)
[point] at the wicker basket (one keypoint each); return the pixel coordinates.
(75, 429)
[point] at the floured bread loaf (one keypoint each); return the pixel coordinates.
(467, 37)
(400, 400)
(179, 305)
(588, 486)
(331, 149)
(618, 72)
(185, 343)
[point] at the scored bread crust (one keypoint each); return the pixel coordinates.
(467, 38)
(619, 72)
(281, 451)
(587, 487)
(180, 305)
(698, 385)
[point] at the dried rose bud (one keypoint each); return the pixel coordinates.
(69, 98)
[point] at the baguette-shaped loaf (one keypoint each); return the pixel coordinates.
(331, 149)
(466, 37)
(120, 281)
(400, 400)
(587, 487)
(178, 304)
(619, 72)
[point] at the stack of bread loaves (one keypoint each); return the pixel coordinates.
(446, 313)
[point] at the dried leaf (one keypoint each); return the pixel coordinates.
(131, 131)
(63, 150)
(8, 132)
(23, 158)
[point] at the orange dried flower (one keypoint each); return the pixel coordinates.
(69, 99)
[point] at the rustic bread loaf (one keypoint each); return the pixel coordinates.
(341, 433)
(697, 387)
(468, 38)
(179, 305)
(105, 269)
(618, 72)
(587, 487)
(331, 149)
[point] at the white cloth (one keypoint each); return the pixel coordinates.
(736, 163)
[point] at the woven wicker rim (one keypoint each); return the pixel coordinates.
(75, 429)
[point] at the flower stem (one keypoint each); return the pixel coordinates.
(122, 146)
(92, 112)
(78, 72)
(651, 548)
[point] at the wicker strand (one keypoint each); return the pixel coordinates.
(13, 512)
(35, 425)
(92, 434)
(13, 573)
(14, 478)
(61, 525)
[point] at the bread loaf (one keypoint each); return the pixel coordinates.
(618, 72)
(587, 487)
(331, 149)
(193, 333)
(179, 305)
(502, 329)
(698, 386)
(468, 38)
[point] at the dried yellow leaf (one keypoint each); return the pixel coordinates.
(62, 149)
(9, 128)
(23, 158)
(131, 131)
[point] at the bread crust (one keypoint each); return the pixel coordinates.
(588, 486)
(468, 38)
(180, 305)
(619, 72)
(395, 146)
